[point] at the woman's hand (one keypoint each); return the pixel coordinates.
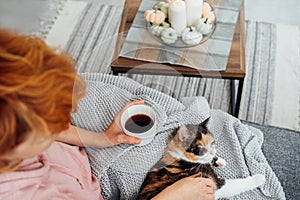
(190, 188)
(114, 132)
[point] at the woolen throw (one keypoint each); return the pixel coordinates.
(121, 169)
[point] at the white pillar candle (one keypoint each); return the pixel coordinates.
(177, 15)
(193, 11)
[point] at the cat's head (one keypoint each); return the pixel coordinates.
(193, 143)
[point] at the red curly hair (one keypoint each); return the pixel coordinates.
(39, 89)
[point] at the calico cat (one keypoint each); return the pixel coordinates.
(191, 150)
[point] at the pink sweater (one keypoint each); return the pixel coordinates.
(61, 172)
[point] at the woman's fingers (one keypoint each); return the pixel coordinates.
(210, 190)
(210, 197)
(128, 139)
(207, 181)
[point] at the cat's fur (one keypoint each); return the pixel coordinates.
(191, 150)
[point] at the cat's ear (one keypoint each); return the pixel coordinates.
(183, 133)
(204, 124)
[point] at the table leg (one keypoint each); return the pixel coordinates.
(232, 97)
(239, 97)
(115, 72)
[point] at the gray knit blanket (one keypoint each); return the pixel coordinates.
(121, 169)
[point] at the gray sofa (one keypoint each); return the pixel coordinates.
(282, 150)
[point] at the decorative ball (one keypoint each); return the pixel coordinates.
(156, 29)
(207, 12)
(191, 36)
(169, 36)
(165, 25)
(206, 7)
(154, 16)
(203, 26)
(162, 6)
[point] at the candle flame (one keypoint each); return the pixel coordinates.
(178, 3)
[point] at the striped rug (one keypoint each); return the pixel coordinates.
(93, 40)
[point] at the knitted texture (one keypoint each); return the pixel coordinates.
(121, 169)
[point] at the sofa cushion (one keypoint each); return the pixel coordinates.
(282, 149)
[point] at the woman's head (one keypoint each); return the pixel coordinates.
(38, 91)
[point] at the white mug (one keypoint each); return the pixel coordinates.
(139, 121)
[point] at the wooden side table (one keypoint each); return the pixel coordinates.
(235, 70)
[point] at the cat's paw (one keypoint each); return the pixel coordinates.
(221, 162)
(259, 179)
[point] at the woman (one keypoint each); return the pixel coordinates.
(39, 89)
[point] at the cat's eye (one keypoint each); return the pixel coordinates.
(200, 151)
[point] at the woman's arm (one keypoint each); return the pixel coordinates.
(113, 135)
(80, 137)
